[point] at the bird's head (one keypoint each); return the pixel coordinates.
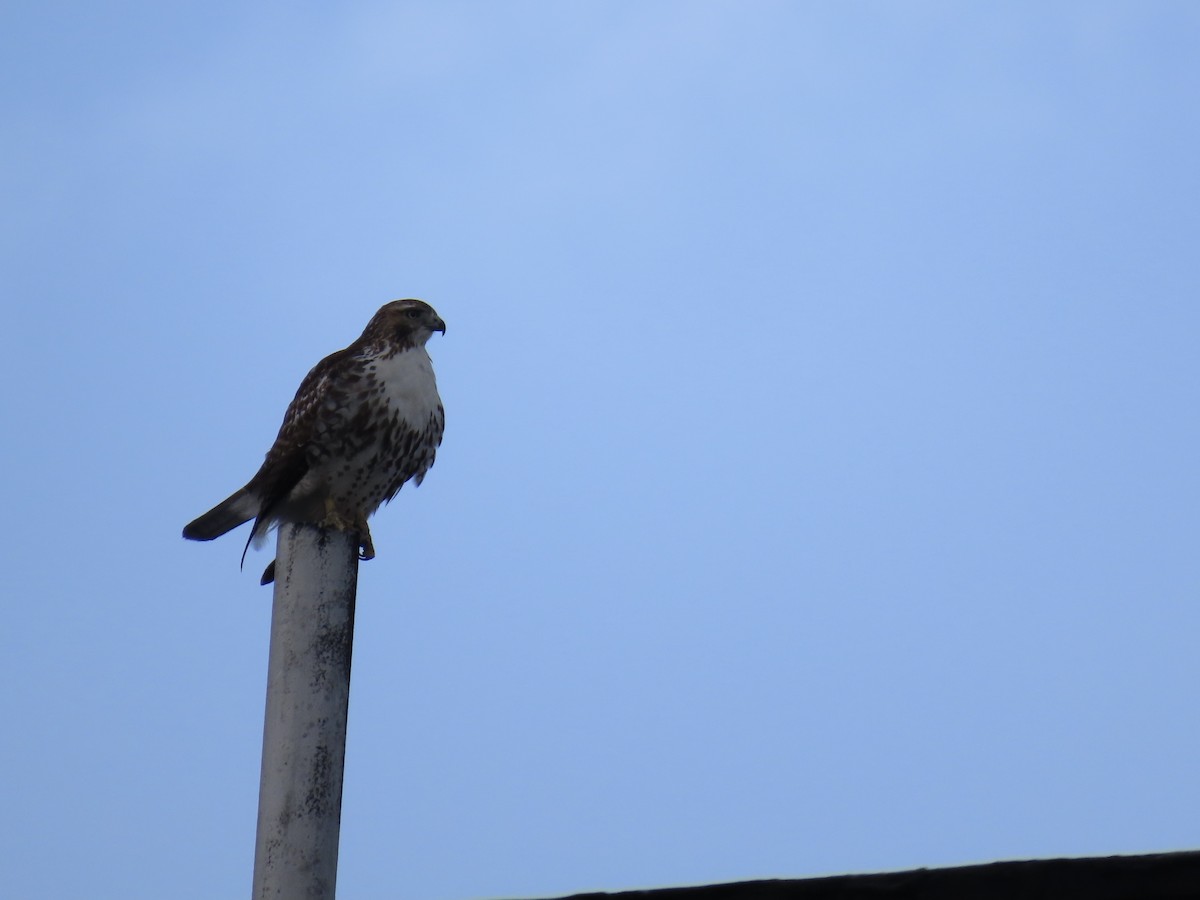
(408, 322)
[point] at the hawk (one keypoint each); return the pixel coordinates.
(365, 420)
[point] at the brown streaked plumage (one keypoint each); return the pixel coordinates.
(365, 420)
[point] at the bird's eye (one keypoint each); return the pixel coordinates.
(413, 314)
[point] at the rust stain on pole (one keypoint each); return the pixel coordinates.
(304, 732)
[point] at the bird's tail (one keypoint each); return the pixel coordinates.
(225, 516)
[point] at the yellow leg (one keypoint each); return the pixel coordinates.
(334, 519)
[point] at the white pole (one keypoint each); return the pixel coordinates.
(304, 734)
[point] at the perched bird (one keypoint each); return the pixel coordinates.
(365, 420)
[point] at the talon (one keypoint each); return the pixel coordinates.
(268, 573)
(334, 519)
(366, 550)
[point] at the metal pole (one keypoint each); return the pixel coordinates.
(304, 734)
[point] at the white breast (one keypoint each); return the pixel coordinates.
(410, 388)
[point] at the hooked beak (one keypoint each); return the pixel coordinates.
(438, 325)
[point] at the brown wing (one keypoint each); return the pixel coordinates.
(312, 426)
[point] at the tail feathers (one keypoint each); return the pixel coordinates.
(258, 536)
(225, 516)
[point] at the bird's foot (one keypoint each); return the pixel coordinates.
(335, 521)
(366, 548)
(358, 525)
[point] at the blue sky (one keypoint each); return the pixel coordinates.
(819, 490)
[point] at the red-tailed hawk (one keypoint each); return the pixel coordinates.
(364, 421)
